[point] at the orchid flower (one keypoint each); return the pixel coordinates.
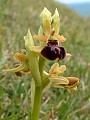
(49, 37)
(59, 81)
(22, 66)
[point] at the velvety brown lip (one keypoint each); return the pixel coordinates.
(53, 51)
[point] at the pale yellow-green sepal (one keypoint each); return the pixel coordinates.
(17, 69)
(57, 81)
(36, 48)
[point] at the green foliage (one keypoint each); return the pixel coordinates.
(15, 19)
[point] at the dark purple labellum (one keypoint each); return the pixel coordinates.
(53, 51)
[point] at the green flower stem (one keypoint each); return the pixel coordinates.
(34, 67)
(36, 103)
(32, 59)
(27, 100)
(36, 88)
(32, 91)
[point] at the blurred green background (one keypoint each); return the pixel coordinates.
(16, 17)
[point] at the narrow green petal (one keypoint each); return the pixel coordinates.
(21, 67)
(40, 33)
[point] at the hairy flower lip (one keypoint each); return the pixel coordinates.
(52, 43)
(72, 80)
(52, 51)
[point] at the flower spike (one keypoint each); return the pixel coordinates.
(33, 62)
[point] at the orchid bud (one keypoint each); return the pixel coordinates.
(28, 40)
(46, 21)
(56, 22)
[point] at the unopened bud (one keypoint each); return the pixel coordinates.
(56, 22)
(46, 21)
